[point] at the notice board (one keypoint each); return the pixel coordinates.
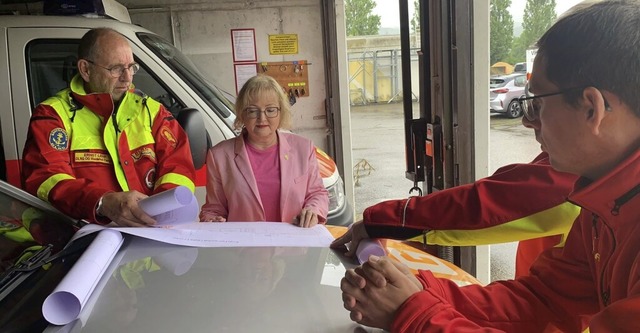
(293, 76)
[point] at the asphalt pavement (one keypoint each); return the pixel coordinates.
(379, 163)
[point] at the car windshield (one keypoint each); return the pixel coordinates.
(188, 72)
(32, 233)
(497, 83)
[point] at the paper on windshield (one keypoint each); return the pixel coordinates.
(229, 234)
(66, 301)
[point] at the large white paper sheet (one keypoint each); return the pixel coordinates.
(66, 301)
(230, 234)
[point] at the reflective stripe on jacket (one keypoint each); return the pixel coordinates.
(517, 202)
(79, 148)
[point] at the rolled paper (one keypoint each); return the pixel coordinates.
(66, 301)
(368, 247)
(163, 202)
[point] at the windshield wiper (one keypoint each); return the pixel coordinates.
(20, 271)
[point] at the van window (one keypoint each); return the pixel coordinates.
(188, 72)
(52, 65)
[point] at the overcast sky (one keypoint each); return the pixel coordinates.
(390, 17)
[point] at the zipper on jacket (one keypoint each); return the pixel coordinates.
(623, 199)
(605, 294)
(594, 241)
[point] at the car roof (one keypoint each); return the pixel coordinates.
(507, 76)
(62, 22)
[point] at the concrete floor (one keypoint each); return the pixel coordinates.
(379, 163)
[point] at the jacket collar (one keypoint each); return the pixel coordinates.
(99, 103)
(615, 193)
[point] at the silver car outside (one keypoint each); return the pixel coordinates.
(504, 91)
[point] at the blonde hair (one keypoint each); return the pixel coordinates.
(255, 88)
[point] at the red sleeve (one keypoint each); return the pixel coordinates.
(560, 290)
(512, 192)
(40, 161)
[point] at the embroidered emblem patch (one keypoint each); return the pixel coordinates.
(92, 157)
(144, 152)
(150, 178)
(58, 139)
(168, 135)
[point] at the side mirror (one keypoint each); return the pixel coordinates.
(193, 124)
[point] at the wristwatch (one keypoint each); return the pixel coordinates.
(99, 207)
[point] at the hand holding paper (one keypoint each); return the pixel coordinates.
(172, 207)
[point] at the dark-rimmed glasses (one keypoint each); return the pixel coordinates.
(118, 70)
(254, 113)
(530, 110)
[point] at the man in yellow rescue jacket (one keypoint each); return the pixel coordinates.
(98, 147)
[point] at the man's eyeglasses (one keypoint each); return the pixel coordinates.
(118, 70)
(531, 107)
(254, 113)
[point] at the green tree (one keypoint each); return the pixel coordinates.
(359, 20)
(415, 20)
(501, 30)
(538, 17)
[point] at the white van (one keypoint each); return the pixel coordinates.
(38, 57)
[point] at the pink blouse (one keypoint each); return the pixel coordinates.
(266, 169)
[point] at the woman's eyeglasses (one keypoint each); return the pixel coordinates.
(254, 113)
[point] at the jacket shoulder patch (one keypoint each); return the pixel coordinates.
(58, 139)
(168, 135)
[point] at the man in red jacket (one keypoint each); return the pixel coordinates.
(98, 147)
(489, 211)
(585, 110)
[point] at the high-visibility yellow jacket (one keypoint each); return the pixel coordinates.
(80, 146)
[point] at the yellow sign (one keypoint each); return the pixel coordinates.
(283, 44)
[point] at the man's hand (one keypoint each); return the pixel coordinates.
(373, 302)
(353, 236)
(306, 219)
(122, 208)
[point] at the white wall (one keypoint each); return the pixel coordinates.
(201, 30)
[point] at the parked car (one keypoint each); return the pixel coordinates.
(520, 67)
(504, 91)
(150, 286)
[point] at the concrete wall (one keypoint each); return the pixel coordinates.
(202, 31)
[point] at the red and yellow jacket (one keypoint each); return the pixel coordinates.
(597, 274)
(79, 148)
(519, 202)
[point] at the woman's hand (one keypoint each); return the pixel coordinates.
(306, 219)
(214, 219)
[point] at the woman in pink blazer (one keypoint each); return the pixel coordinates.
(264, 174)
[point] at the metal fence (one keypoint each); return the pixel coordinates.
(376, 76)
